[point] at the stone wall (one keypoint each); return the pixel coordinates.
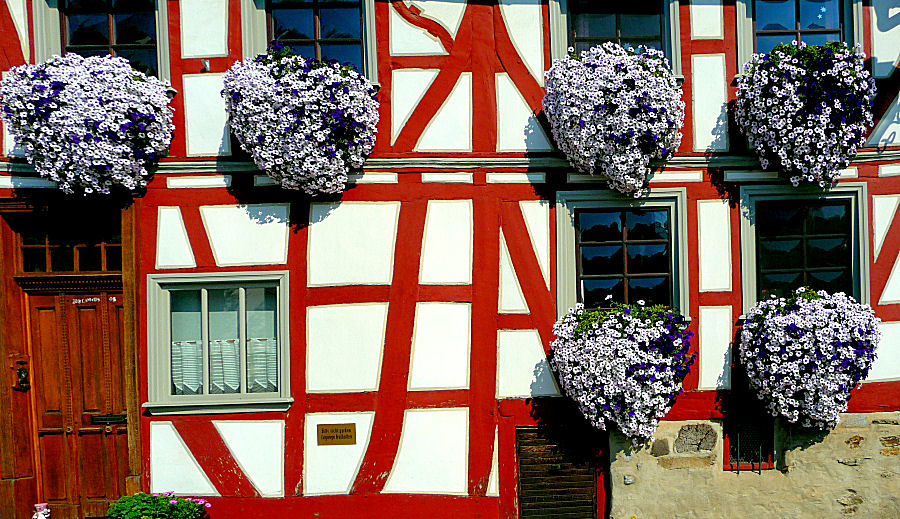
(852, 471)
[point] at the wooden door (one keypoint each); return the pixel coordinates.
(81, 438)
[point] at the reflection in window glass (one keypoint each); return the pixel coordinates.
(224, 341)
(814, 22)
(633, 24)
(326, 30)
(119, 28)
(187, 342)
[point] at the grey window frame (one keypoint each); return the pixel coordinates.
(855, 192)
(255, 32)
(560, 29)
(48, 33)
(568, 202)
(160, 400)
(852, 12)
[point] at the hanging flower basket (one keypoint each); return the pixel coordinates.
(612, 110)
(90, 124)
(806, 108)
(623, 366)
(306, 123)
(804, 353)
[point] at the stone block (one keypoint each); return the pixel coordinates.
(890, 451)
(890, 441)
(687, 463)
(660, 447)
(628, 479)
(695, 438)
(886, 421)
(854, 441)
(854, 421)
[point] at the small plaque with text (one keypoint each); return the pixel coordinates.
(336, 434)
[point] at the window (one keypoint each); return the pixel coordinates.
(812, 21)
(116, 27)
(793, 237)
(625, 254)
(581, 24)
(319, 29)
(218, 339)
(609, 244)
(762, 24)
(134, 29)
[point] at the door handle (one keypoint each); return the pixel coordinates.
(22, 382)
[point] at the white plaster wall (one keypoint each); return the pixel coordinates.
(352, 243)
(408, 86)
(447, 243)
(885, 37)
(172, 466)
(10, 148)
(258, 448)
(254, 234)
(441, 346)
(344, 347)
(706, 20)
(525, 24)
(522, 367)
(331, 469)
(199, 182)
(517, 127)
(451, 127)
(887, 364)
(716, 327)
(19, 13)
(889, 170)
(447, 177)
(891, 293)
(884, 207)
(173, 249)
(709, 96)
(433, 456)
(513, 177)
(537, 220)
(204, 28)
(714, 226)
(511, 299)
(887, 131)
(448, 13)
(205, 120)
(408, 40)
(372, 177)
(493, 488)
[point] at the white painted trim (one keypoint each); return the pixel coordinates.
(449, 177)
(372, 177)
(264, 181)
(13, 182)
(206, 181)
(509, 177)
(738, 175)
(889, 170)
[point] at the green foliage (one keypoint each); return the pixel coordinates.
(158, 506)
(592, 319)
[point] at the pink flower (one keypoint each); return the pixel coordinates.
(173, 501)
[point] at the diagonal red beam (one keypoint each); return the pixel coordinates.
(392, 397)
(210, 451)
(193, 224)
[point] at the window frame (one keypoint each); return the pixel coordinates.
(48, 29)
(568, 202)
(851, 11)
(255, 34)
(561, 29)
(160, 400)
(855, 192)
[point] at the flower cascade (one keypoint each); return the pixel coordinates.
(806, 108)
(89, 124)
(612, 110)
(159, 506)
(622, 366)
(804, 353)
(306, 123)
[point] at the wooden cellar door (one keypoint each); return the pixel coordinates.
(81, 435)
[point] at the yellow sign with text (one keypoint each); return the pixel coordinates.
(336, 434)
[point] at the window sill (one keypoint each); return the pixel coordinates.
(182, 408)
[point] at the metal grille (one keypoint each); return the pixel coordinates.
(555, 480)
(750, 443)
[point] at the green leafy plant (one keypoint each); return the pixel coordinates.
(159, 506)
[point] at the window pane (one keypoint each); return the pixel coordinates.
(594, 25)
(339, 23)
(134, 5)
(113, 258)
(187, 342)
(765, 44)
(819, 14)
(87, 5)
(136, 28)
(820, 39)
(779, 218)
(640, 25)
(224, 341)
(89, 258)
(344, 53)
(600, 226)
(832, 281)
(88, 53)
(307, 51)
(652, 291)
(34, 260)
(602, 260)
(292, 24)
(648, 258)
(647, 225)
(262, 341)
(776, 253)
(33, 238)
(828, 252)
(88, 29)
(829, 219)
(594, 291)
(775, 15)
(142, 60)
(779, 284)
(62, 259)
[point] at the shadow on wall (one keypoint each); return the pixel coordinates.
(258, 203)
